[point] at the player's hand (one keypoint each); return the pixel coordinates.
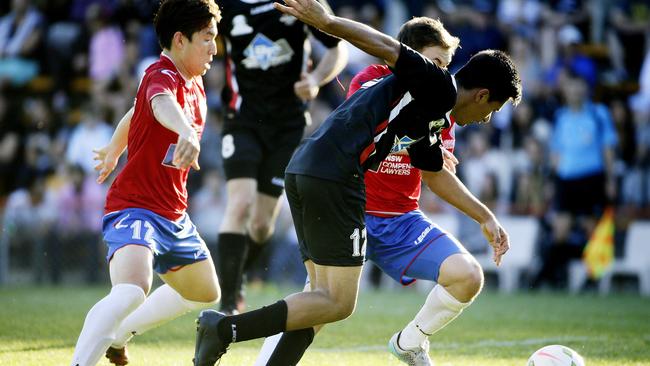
(306, 88)
(107, 161)
(187, 151)
(307, 11)
(497, 237)
(449, 160)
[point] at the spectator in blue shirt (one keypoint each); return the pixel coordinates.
(582, 157)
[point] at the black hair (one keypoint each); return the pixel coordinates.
(185, 16)
(421, 32)
(492, 70)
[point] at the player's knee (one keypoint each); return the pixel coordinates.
(473, 279)
(343, 309)
(260, 230)
(208, 295)
(462, 276)
(143, 284)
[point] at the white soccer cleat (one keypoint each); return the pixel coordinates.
(415, 357)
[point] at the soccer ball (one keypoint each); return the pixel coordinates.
(555, 355)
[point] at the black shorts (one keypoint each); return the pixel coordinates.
(329, 219)
(582, 196)
(259, 152)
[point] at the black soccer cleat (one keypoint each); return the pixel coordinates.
(209, 346)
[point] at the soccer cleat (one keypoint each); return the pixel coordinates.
(117, 356)
(209, 346)
(415, 357)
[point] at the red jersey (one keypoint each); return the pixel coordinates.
(149, 180)
(394, 188)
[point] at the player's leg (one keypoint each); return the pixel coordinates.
(279, 145)
(327, 216)
(131, 276)
(261, 225)
(184, 263)
(191, 287)
(460, 280)
(242, 156)
(333, 300)
(270, 345)
(411, 247)
(233, 242)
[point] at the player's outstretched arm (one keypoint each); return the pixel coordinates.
(169, 114)
(360, 35)
(448, 187)
(108, 155)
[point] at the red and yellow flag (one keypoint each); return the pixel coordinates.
(599, 251)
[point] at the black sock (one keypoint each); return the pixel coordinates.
(232, 255)
(254, 251)
(264, 322)
(291, 347)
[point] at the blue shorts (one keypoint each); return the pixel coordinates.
(173, 243)
(409, 246)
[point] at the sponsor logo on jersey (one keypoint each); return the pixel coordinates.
(240, 27)
(394, 165)
(402, 143)
(262, 53)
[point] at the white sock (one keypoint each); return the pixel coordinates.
(267, 349)
(163, 305)
(438, 310)
(102, 322)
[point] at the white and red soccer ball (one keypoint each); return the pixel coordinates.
(555, 355)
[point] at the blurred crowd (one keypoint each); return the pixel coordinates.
(578, 142)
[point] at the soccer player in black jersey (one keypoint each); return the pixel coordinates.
(268, 85)
(324, 179)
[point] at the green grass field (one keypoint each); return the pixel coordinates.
(38, 326)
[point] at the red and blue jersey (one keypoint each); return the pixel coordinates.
(149, 180)
(394, 187)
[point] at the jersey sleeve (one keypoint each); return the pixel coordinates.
(425, 156)
(425, 80)
(369, 73)
(161, 82)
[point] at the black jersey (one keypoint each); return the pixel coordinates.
(265, 55)
(407, 109)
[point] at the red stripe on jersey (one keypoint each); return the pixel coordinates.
(231, 84)
(381, 127)
(366, 153)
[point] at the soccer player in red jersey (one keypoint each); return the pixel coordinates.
(145, 225)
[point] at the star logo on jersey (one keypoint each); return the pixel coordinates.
(262, 53)
(402, 143)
